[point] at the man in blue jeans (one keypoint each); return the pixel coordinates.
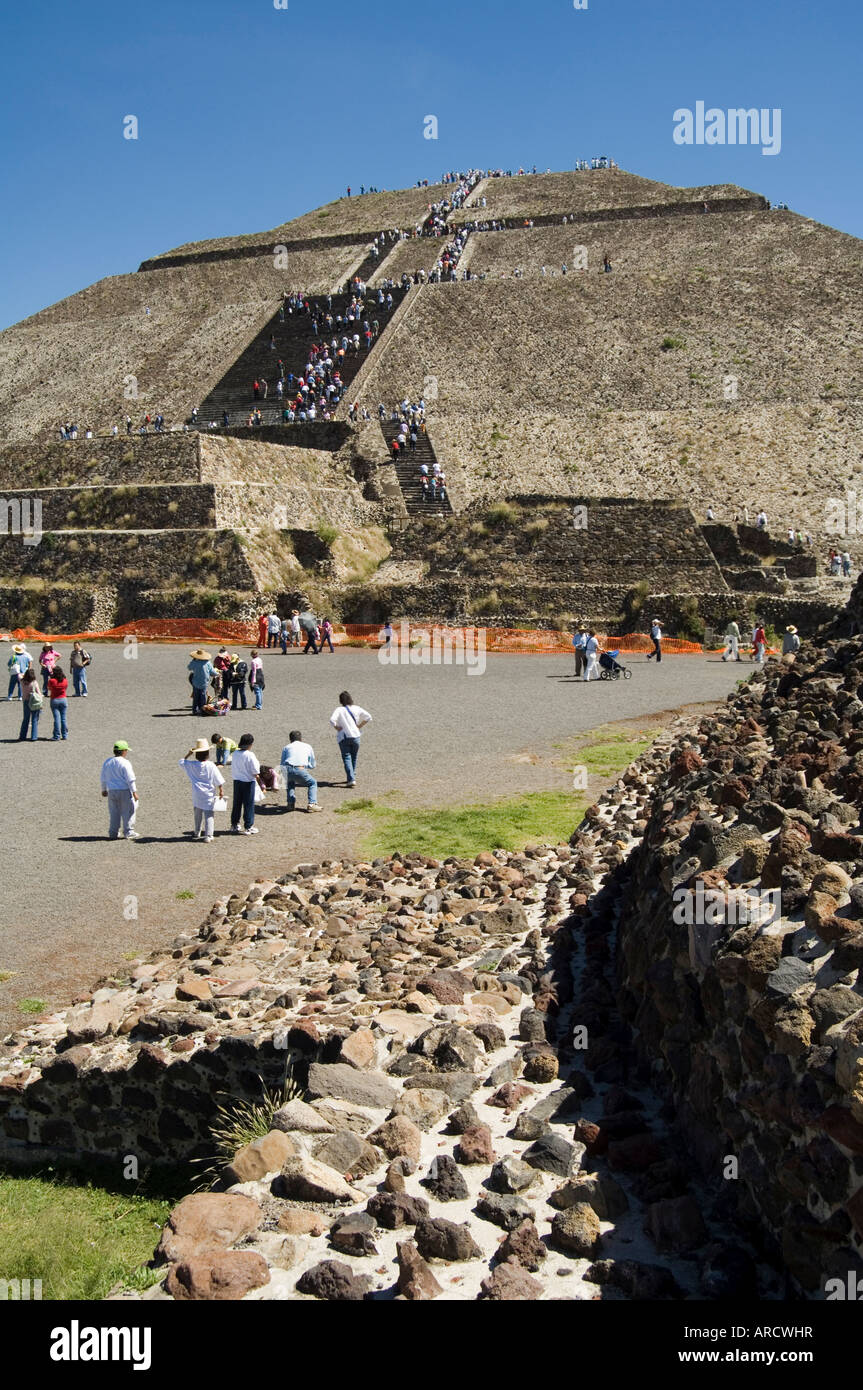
(202, 669)
(298, 760)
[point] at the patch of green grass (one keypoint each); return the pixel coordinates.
(78, 1239)
(465, 830)
(670, 344)
(605, 757)
(32, 1006)
(184, 894)
(6, 975)
(350, 807)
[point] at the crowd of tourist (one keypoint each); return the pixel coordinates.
(252, 780)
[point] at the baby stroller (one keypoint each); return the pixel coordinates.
(610, 668)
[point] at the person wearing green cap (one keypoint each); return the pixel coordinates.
(119, 786)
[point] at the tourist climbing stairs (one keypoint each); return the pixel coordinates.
(289, 341)
(407, 471)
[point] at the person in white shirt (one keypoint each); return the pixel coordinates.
(246, 770)
(656, 639)
(295, 628)
(348, 720)
(274, 625)
(591, 656)
(207, 781)
(298, 760)
(120, 787)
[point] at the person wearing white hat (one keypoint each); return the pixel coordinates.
(120, 787)
(791, 641)
(656, 638)
(17, 664)
(206, 780)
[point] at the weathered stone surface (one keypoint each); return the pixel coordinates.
(308, 1180)
(463, 1118)
(392, 1210)
(524, 1245)
(348, 1154)
(449, 1048)
(207, 1221)
(503, 1210)
(509, 1282)
(302, 1118)
(262, 1156)
(540, 1066)
(358, 1050)
(297, 1221)
(675, 1225)
(416, 1280)
(607, 1197)
(511, 1175)
(576, 1230)
(444, 1180)
(423, 1107)
(398, 1136)
(553, 1154)
(353, 1234)
(458, 1085)
(339, 1081)
(634, 1279)
(437, 1239)
(475, 1146)
(334, 1281)
(220, 1276)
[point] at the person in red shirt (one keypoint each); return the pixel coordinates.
(57, 687)
(262, 630)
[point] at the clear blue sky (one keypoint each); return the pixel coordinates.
(251, 115)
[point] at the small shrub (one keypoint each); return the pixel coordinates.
(489, 603)
(672, 344)
(502, 514)
(536, 528)
(326, 533)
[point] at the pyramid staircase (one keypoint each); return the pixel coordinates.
(407, 471)
(292, 338)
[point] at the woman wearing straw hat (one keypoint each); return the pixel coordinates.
(206, 780)
(201, 671)
(17, 664)
(656, 638)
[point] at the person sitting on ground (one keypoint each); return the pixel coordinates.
(298, 760)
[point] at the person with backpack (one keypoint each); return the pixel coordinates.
(207, 782)
(348, 719)
(257, 683)
(238, 674)
(309, 625)
(33, 702)
(79, 661)
(18, 663)
(246, 770)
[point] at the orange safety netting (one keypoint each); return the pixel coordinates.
(524, 640)
(540, 641)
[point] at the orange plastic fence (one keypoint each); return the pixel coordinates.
(538, 641)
